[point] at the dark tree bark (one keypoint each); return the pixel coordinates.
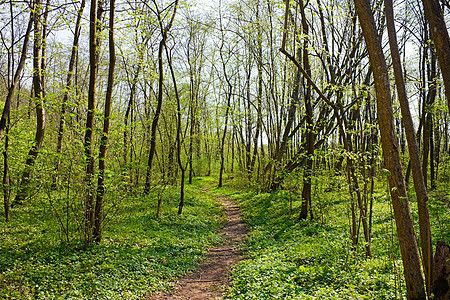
(227, 113)
(259, 59)
(98, 217)
(309, 134)
(418, 178)
(178, 136)
(69, 80)
(441, 278)
(5, 178)
(193, 119)
(39, 94)
(228, 93)
(162, 43)
(129, 109)
(439, 34)
(427, 118)
(405, 229)
(18, 72)
(95, 17)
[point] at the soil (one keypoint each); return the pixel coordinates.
(212, 278)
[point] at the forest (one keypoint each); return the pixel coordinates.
(227, 149)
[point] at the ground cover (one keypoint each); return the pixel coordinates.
(313, 259)
(140, 253)
(284, 258)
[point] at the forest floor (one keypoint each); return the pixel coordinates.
(210, 280)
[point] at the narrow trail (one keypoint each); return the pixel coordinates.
(212, 277)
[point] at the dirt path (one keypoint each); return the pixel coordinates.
(209, 281)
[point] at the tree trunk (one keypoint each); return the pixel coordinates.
(5, 179)
(259, 60)
(129, 111)
(193, 117)
(162, 43)
(70, 72)
(93, 69)
(432, 158)
(441, 278)
(222, 144)
(18, 72)
(227, 110)
(178, 135)
(405, 230)
(39, 94)
(441, 39)
(437, 151)
(98, 217)
(428, 118)
(310, 136)
(419, 180)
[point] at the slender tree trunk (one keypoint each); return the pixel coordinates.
(436, 151)
(93, 69)
(193, 117)
(418, 178)
(431, 143)
(310, 136)
(428, 117)
(222, 144)
(128, 111)
(259, 60)
(155, 118)
(227, 110)
(5, 179)
(178, 136)
(39, 94)
(70, 72)
(405, 229)
(17, 74)
(281, 146)
(98, 217)
(162, 43)
(426, 144)
(439, 34)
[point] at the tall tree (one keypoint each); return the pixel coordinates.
(439, 34)
(179, 139)
(94, 41)
(228, 94)
(419, 180)
(18, 71)
(68, 87)
(309, 127)
(40, 32)
(162, 43)
(405, 229)
(98, 217)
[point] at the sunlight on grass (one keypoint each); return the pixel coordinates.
(291, 259)
(140, 254)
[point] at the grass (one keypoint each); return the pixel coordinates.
(291, 259)
(140, 254)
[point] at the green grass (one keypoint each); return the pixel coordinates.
(140, 254)
(291, 259)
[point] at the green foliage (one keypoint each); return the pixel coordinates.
(140, 254)
(291, 259)
(439, 206)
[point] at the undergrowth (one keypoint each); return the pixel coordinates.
(313, 259)
(140, 253)
(284, 259)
